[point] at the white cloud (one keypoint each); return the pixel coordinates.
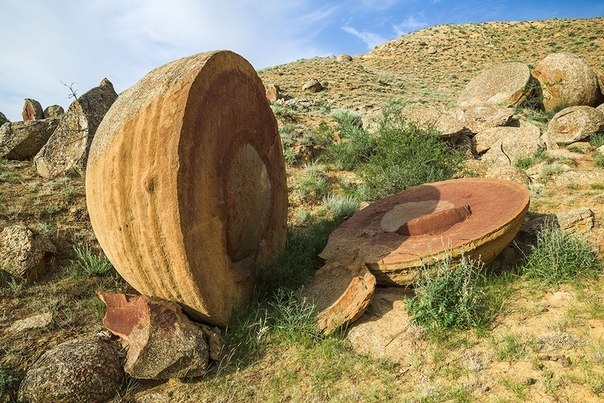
(410, 23)
(83, 42)
(371, 39)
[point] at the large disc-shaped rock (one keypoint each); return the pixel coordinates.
(186, 183)
(396, 235)
(506, 84)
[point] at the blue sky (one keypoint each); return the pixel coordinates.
(47, 43)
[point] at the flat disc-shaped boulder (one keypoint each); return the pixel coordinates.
(395, 235)
(186, 184)
(341, 291)
(505, 84)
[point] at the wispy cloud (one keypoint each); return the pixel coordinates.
(409, 24)
(371, 39)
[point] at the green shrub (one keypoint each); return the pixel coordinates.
(527, 162)
(406, 155)
(356, 145)
(599, 160)
(451, 296)
(6, 380)
(313, 184)
(560, 256)
(596, 140)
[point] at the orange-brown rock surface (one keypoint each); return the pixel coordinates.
(395, 235)
(341, 291)
(186, 184)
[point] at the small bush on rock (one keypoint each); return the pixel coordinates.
(451, 296)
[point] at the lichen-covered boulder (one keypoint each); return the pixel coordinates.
(574, 124)
(81, 370)
(53, 111)
(24, 254)
(506, 84)
(24, 139)
(478, 118)
(67, 148)
(507, 145)
(160, 341)
(566, 80)
(32, 110)
(186, 184)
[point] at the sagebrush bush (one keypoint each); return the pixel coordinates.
(313, 184)
(450, 295)
(356, 144)
(406, 155)
(560, 256)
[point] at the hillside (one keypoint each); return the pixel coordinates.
(432, 65)
(545, 342)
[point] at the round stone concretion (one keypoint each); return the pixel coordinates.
(396, 235)
(186, 185)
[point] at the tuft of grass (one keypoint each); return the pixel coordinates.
(599, 160)
(313, 184)
(596, 140)
(451, 296)
(89, 263)
(526, 163)
(341, 206)
(560, 256)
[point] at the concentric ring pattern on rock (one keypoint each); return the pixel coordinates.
(396, 235)
(186, 184)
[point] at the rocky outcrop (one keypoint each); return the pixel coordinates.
(430, 117)
(32, 110)
(478, 118)
(24, 139)
(53, 111)
(24, 254)
(506, 84)
(80, 370)
(566, 80)
(3, 119)
(575, 123)
(190, 161)
(160, 341)
(67, 149)
(506, 145)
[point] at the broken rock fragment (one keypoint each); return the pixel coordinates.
(161, 342)
(341, 291)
